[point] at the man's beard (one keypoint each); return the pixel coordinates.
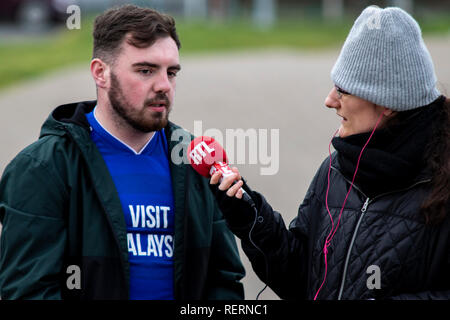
(137, 119)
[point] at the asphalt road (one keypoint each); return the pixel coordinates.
(260, 92)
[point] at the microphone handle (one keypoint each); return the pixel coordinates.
(226, 171)
(246, 197)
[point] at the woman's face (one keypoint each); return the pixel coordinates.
(358, 115)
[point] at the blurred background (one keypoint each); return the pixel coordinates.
(246, 64)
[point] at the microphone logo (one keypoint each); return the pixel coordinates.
(198, 152)
(222, 167)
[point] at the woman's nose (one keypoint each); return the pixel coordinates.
(332, 100)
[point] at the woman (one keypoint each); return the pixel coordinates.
(375, 222)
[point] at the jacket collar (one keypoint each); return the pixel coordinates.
(75, 114)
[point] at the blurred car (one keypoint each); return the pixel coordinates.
(38, 13)
(34, 12)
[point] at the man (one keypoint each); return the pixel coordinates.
(98, 195)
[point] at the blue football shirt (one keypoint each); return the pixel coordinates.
(144, 184)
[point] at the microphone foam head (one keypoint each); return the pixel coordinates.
(203, 152)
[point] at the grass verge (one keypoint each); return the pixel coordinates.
(33, 57)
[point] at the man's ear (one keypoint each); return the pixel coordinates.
(100, 73)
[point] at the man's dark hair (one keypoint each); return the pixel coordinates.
(140, 27)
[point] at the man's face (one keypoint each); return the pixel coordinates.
(142, 84)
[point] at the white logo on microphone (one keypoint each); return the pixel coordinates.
(198, 153)
(222, 167)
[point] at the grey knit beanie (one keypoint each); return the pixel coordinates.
(385, 61)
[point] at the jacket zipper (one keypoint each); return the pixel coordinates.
(185, 226)
(363, 211)
(347, 258)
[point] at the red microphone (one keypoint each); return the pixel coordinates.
(207, 157)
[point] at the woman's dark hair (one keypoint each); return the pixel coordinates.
(436, 205)
(140, 27)
(437, 159)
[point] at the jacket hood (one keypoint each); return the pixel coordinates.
(72, 113)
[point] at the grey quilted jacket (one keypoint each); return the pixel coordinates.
(382, 248)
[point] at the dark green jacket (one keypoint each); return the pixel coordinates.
(59, 207)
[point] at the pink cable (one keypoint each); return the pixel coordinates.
(333, 232)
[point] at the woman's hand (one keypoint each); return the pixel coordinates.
(227, 183)
(238, 212)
